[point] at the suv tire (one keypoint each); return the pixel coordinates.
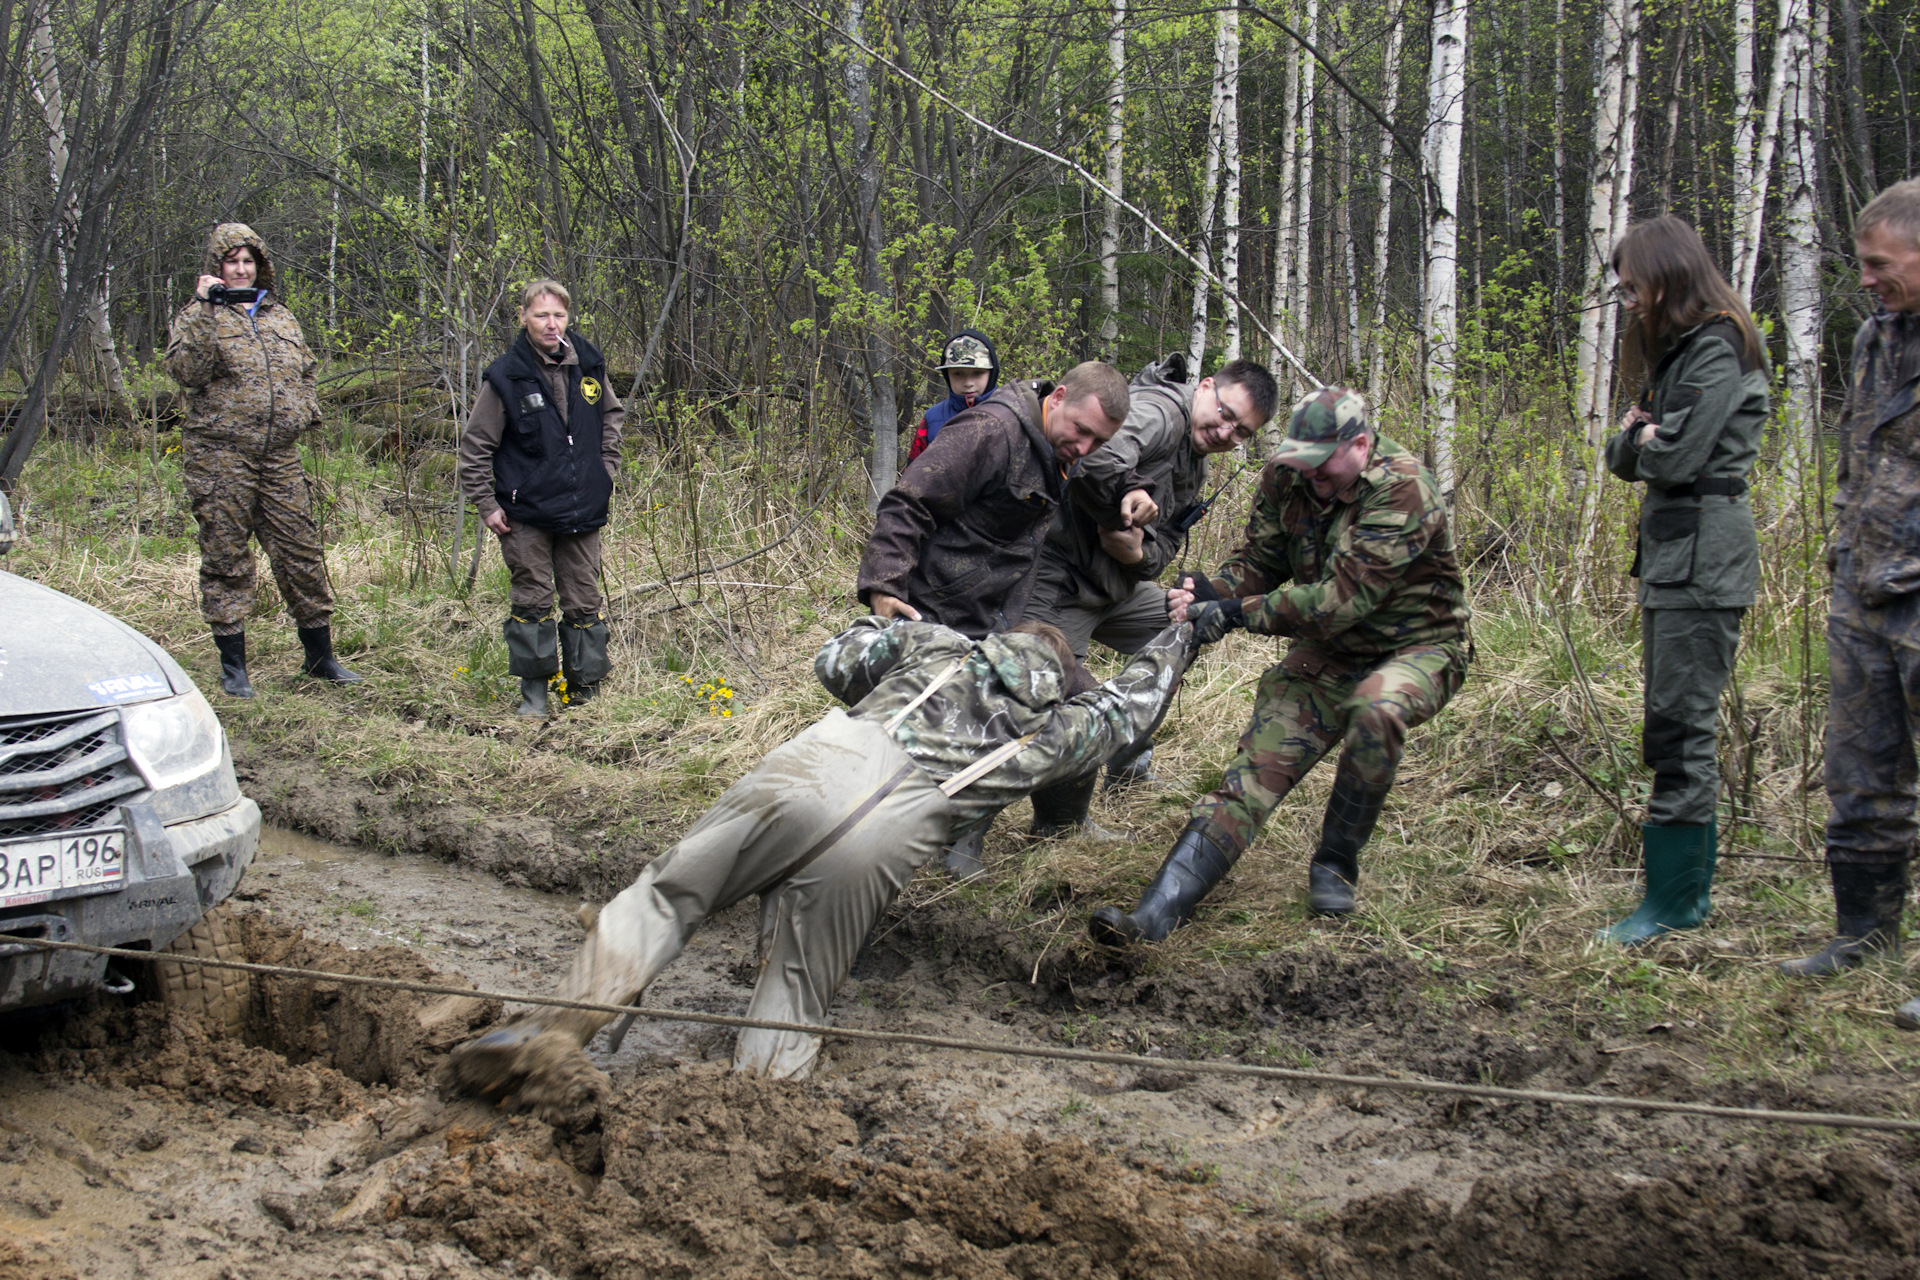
(220, 997)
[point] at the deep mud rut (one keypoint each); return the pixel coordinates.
(133, 1145)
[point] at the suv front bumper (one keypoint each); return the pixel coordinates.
(176, 874)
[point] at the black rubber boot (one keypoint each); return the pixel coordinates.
(583, 656)
(1198, 861)
(318, 642)
(1868, 899)
(1135, 770)
(962, 857)
(233, 664)
(533, 697)
(1352, 810)
(1061, 810)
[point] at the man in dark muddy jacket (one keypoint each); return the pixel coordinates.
(1873, 624)
(1349, 554)
(1128, 509)
(249, 379)
(943, 732)
(957, 540)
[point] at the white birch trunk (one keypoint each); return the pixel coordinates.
(1446, 94)
(48, 93)
(1800, 301)
(1750, 204)
(1744, 91)
(1559, 149)
(1116, 137)
(1283, 231)
(1203, 245)
(1616, 102)
(1383, 214)
(1302, 302)
(1230, 166)
(1350, 255)
(426, 103)
(333, 236)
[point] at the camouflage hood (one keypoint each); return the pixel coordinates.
(1027, 668)
(229, 236)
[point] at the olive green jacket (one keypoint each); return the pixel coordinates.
(1709, 399)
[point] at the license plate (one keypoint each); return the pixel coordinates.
(35, 870)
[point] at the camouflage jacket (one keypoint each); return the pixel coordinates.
(249, 379)
(1153, 450)
(1698, 550)
(959, 536)
(1009, 687)
(1373, 571)
(1876, 536)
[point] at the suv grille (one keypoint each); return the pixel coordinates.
(62, 772)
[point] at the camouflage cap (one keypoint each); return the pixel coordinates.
(965, 352)
(1322, 421)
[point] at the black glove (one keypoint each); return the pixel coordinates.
(1212, 619)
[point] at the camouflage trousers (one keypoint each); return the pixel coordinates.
(241, 494)
(1311, 700)
(1874, 675)
(1687, 655)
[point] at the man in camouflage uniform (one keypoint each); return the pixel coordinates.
(957, 540)
(249, 380)
(943, 732)
(1129, 506)
(1873, 624)
(1377, 614)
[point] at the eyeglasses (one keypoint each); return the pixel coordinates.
(1241, 431)
(1623, 291)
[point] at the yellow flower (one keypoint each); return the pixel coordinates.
(728, 713)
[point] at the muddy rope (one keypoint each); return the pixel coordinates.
(1193, 1066)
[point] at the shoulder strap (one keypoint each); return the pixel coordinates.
(900, 717)
(986, 764)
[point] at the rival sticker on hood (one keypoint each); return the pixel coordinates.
(127, 688)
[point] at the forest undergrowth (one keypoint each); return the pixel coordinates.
(1511, 835)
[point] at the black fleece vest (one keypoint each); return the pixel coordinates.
(546, 472)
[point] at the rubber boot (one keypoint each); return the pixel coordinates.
(318, 642)
(233, 664)
(1134, 770)
(1868, 901)
(1198, 861)
(583, 656)
(1679, 862)
(1061, 810)
(533, 698)
(962, 857)
(1352, 810)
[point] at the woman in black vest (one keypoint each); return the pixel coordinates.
(538, 458)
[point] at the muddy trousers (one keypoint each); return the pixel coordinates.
(1307, 703)
(1873, 722)
(1687, 655)
(812, 917)
(240, 494)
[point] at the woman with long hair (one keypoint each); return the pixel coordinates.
(1691, 437)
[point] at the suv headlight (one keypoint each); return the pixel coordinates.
(172, 740)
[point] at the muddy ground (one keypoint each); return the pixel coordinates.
(131, 1144)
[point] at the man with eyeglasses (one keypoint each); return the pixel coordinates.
(1349, 555)
(1128, 509)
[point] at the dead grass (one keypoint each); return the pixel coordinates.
(1510, 837)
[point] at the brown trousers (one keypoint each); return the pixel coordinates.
(541, 561)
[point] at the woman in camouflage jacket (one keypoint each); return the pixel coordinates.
(249, 382)
(1691, 438)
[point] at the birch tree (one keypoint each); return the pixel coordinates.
(1110, 226)
(1283, 220)
(1301, 303)
(882, 414)
(1230, 167)
(1615, 99)
(1446, 122)
(1799, 253)
(1383, 212)
(1750, 199)
(1203, 244)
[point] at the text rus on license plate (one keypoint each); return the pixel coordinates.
(35, 870)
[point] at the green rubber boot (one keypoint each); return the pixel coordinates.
(1679, 863)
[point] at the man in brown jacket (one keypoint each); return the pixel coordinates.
(957, 540)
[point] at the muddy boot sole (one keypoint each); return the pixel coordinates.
(527, 1068)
